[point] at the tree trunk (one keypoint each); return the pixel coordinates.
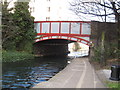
(103, 61)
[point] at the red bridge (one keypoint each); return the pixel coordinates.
(70, 30)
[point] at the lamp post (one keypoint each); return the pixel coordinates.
(118, 29)
(117, 17)
(111, 0)
(115, 70)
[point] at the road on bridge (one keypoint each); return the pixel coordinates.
(78, 74)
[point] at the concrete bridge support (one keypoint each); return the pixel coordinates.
(53, 47)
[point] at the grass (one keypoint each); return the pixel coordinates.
(13, 56)
(113, 85)
(109, 63)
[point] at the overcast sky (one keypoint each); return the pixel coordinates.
(64, 13)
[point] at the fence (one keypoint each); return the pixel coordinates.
(81, 53)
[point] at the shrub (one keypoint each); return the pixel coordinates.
(13, 56)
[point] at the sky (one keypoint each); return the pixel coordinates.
(63, 14)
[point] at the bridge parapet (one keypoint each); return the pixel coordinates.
(70, 30)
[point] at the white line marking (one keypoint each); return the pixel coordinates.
(68, 79)
(76, 70)
(79, 85)
(94, 78)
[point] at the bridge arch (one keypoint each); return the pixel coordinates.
(70, 30)
(71, 38)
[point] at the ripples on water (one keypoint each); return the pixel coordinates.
(26, 74)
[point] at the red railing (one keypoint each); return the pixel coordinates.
(72, 30)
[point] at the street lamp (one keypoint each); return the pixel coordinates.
(111, 0)
(0, 15)
(118, 11)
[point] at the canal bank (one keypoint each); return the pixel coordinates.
(78, 74)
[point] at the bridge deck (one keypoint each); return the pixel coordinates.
(70, 30)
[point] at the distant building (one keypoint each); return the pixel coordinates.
(53, 10)
(49, 10)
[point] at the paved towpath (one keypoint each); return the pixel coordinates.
(78, 74)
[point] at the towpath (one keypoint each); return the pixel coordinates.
(78, 74)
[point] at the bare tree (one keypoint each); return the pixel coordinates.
(102, 9)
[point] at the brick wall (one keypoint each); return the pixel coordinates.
(97, 28)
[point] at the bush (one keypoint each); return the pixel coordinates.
(13, 56)
(97, 54)
(111, 51)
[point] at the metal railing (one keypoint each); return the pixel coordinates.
(80, 53)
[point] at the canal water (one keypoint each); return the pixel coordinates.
(27, 73)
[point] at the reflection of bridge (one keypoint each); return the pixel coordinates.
(52, 36)
(69, 30)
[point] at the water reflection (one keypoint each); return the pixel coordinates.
(25, 74)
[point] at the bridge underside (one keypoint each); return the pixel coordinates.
(53, 47)
(69, 37)
(53, 36)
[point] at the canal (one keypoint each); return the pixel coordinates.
(27, 73)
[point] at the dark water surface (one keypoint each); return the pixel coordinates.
(27, 73)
